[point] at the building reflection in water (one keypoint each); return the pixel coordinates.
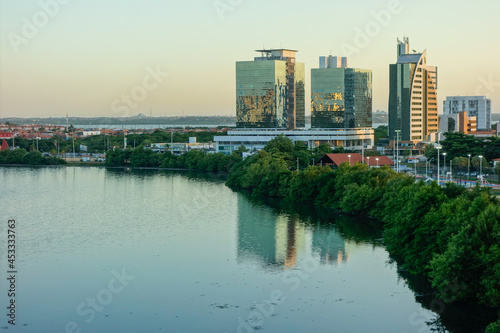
(329, 244)
(281, 240)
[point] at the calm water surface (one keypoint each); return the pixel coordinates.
(107, 250)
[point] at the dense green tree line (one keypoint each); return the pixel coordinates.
(194, 159)
(21, 156)
(459, 144)
(450, 234)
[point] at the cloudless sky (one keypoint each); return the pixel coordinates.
(89, 53)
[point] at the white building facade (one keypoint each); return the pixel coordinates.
(256, 139)
(476, 106)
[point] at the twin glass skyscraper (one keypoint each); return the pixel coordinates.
(270, 93)
(341, 97)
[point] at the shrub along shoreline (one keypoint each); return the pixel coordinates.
(22, 157)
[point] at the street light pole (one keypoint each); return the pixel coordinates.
(377, 161)
(368, 158)
(444, 166)
(451, 172)
(481, 169)
(468, 168)
(397, 149)
(349, 159)
(438, 148)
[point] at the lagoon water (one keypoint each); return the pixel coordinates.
(113, 250)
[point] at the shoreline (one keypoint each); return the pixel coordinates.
(91, 166)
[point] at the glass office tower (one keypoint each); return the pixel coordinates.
(341, 97)
(412, 96)
(270, 91)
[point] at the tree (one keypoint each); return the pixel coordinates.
(338, 150)
(117, 157)
(430, 153)
(459, 144)
(472, 258)
(240, 150)
(33, 158)
(493, 327)
(372, 153)
(478, 162)
(497, 170)
(169, 160)
(143, 157)
(280, 144)
(460, 162)
(380, 132)
(12, 156)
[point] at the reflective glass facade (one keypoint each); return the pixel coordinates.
(412, 96)
(270, 92)
(341, 98)
(300, 97)
(399, 99)
(260, 94)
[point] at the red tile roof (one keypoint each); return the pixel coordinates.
(382, 160)
(338, 159)
(5, 145)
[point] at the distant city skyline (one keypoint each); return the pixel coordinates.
(91, 58)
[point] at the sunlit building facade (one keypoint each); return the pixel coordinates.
(412, 96)
(270, 91)
(341, 97)
(475, 106)
(457, 122)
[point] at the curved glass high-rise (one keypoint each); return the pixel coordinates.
(412, 95)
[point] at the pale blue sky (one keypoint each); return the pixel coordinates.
(84, 58)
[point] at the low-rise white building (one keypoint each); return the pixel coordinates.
(90, 133)
(256, 139)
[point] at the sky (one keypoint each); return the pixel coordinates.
(170, 58)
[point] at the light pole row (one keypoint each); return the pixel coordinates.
(468, 167)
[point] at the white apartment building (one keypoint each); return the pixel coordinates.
(476, 106)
